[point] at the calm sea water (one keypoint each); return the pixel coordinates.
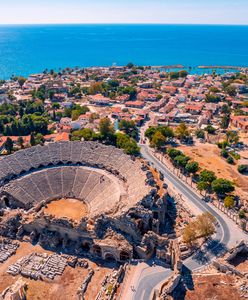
(30, 49)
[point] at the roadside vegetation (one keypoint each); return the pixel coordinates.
(202, 227)
(207, 183)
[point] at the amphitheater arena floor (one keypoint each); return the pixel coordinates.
(70, 208)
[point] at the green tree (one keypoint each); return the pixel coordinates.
(174, 75)
(183, 73)
(243, 169)
(225, 120)
(210, 129)
(181, 161)
(1, 127)
(200, 134)
(106, 127)
(21, 80)
(9, 145)
(32, 139)
(87, 134)
(212, 98)
(158, 140)
(182, 131)
(7, 131)
(207, 176)
(224, 153)
(230, 160)
(130, 65)
(39, 139)
(242, 214)
(20, 141)
(50, 94)
(129, 127)
(150, 132)
(128, 144)
(232, 136)
(75, 91)
(222, 186)
(75, 114)
(132, 148)
(121, 140)
(173, 153)
(231, 90)
(225, 109)
(214, 89)
(192, 167)
(107, 131)
(166, 131)
(202, 186)
(55, 105)
(130, 90)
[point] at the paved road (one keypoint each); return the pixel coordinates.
(214, 248)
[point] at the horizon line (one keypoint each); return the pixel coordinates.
(128, 23)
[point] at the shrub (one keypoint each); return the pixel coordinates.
(242, 169)
(235, 155)
(200, 134)
(210, 129)
(223, 145)
(230, 160)
(224, 153)
(229, 202)
(242, 214)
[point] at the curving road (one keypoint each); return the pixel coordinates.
(222, 240)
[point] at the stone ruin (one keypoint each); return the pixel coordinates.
(125, 215)
(110, 283)
(17, 291)
(228, 262)
(39, 266)
(81, 291)
(7, 249)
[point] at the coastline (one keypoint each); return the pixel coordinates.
(224, 67)
(193, 70)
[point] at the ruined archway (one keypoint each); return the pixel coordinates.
(109, 257)
(124, 256)
(6, 201)
(97, 250)
(86, 246)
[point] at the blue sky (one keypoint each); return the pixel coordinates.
(124, 11)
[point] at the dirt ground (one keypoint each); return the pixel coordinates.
(63, 288)
(159, 182)
(243, 267)
(208, 157)
(69, 208)
(213, 287)
(241, 263)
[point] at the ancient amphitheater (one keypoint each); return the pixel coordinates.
(82, 197)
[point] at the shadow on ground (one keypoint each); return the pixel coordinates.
(210, 248)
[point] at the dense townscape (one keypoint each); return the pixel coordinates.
(103, 170)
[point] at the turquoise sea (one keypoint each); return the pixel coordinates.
(29, 49)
